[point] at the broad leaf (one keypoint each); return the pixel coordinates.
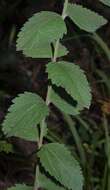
(84, 18)
(62, 104)
(59, 163)
(41, 51)
(38, 32)
(20, 187)
(73, 79)
(44, 51)
(48, 184)
(105, 2)
(27, 111)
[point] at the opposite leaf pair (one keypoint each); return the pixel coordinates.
(44, 28)
(29, 109)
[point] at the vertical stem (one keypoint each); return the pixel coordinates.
(102, 44)
(107, 138)
(36, 183)
(64, 13)
(104, 178)
(57, 43)
(56, 51)
(43, 121)
(76, 137)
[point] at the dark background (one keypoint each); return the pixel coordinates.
(19, 74)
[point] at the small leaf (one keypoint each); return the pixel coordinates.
(62, 104)
(48, 184)
(27, 111)
(62, 51)
(6, 147)
(105, 2)
(20, 187)
(59, 163)
(84, 18)
(73, 79)
(39, 31)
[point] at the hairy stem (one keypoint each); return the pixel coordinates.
(43, 125)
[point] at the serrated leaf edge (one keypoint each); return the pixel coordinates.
(80, 171)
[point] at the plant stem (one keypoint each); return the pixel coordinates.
(56, 51)
(58, 41)
(104, 178)
(102, 44)
(36, 183)
(49, 87)
(107, 138)
(64, 13)
(43, 125)
(95, 37)
(76, 137)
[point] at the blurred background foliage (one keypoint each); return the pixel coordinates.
(87, 135)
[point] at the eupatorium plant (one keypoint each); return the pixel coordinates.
(40, 38)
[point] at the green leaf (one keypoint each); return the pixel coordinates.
(20, 187)
(73, 79)
(38, 32)
(105, 2)
(6, 147)
(84, 18)
(48, 184)
(59, 163)
(62, 104)
(27, 111)
(44, 51)
(62, 51)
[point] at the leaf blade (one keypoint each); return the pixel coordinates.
(40, 30)
(44, 51)
(105, 2)
(47, 183)
(26, 112)
(62, 104)
(59, 163)
(73, 80)
(84, 18)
